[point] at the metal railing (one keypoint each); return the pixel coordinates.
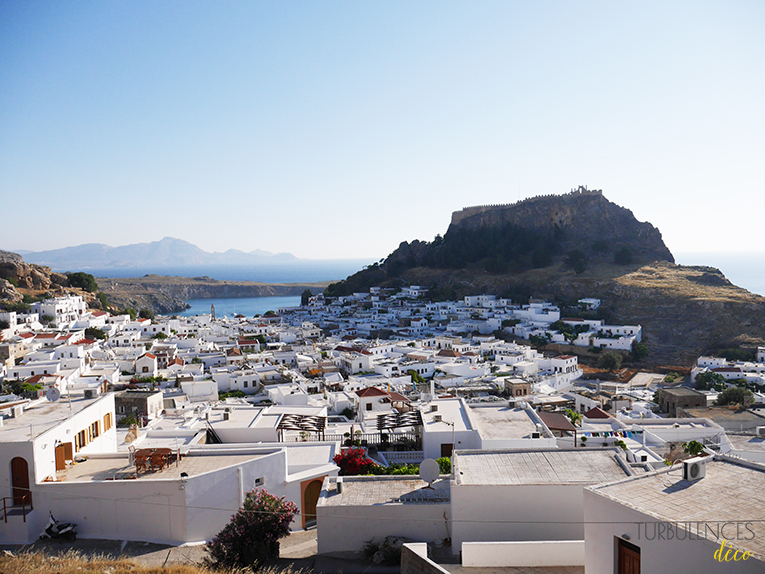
(371, 438)
(407, 456)
(26, 500)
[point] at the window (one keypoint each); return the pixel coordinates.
(80, 440)
(369, 406)
(107, 421)
(95, 430)
(245, 384)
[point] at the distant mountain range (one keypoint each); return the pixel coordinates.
(168, 252)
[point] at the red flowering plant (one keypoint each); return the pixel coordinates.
(252, 536)
(353, 461)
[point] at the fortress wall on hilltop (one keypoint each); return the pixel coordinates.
(465, 212)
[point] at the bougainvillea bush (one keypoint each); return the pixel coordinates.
(353, 461)
(252, 536)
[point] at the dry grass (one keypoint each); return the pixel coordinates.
(73, 562)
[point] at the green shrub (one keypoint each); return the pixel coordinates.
(444, 465)
(84, 281)
(233, 394)
(610, 360)
(94, 333)
(252, 536)
(391, 555)
(735, 396)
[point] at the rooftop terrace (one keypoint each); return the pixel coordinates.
(731, 491)
(502, 422)
(369, 490)
(96, 469)
(543, 466)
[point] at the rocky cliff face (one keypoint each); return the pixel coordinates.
(579, 220)
(582, 229)
(15, 273)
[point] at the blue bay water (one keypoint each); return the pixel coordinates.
(247, 306)
(302, 271)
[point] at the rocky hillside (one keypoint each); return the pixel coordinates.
(165, 294)
(582, 220)
(585, 246)
(582, 230)
(16, 276)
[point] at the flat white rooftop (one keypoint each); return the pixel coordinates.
(746, 442)
(370, 490)
(535, 467)
(731, 491)
(450, 410)
(501, 422)
(118, 467)
(41, 417)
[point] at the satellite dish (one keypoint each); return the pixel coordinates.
(429, 471)
(53, 394)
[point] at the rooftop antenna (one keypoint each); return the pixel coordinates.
(429, 471)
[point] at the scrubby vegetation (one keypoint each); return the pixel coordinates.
(75, 562)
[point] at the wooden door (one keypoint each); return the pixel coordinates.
(60, 457)
(310, 498)
(446, 450)
(20, 481)
(629, 558)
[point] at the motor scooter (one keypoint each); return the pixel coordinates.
(61, 531)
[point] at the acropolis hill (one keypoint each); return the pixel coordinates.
(579, 244)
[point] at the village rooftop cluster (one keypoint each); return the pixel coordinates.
(166, 423)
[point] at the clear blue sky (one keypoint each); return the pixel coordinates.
(339, 129)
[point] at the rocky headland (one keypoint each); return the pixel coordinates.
(167, 294)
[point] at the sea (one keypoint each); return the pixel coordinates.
(247, 306)
(301, 271)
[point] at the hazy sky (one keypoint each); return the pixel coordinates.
(339, 129)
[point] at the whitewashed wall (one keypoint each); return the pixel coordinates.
(346, 528)
(511, 513)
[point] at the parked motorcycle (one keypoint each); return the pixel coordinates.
(62, 531)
